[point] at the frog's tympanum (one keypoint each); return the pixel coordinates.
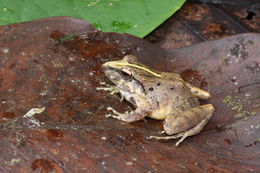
(158, 95)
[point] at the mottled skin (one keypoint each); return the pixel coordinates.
(158, 95)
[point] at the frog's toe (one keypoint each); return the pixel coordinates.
(109, 115)
(164, 137)
(182, 135)
(113, 110)
(114, 91)
(116, 114)
(163, 132)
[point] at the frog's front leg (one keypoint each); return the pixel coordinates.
(187, 123)
(132, 116)
(143, 108)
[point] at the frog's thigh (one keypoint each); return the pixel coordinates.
(189, 123)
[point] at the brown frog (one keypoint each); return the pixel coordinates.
(158, 95)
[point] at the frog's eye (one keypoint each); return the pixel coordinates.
(126, 72)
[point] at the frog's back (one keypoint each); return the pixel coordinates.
(169, 92)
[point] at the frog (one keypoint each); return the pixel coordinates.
(158, 95)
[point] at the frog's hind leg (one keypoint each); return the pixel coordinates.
(194, 120)
(198, 92)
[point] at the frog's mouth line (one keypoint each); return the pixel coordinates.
(117, 75)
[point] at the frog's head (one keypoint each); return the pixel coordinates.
(128, 74)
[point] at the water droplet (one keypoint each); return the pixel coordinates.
(129, 163)
(98, 26)
(138, 49)
(233, 80)
(120, 26)
(5, 50)
(248, 94)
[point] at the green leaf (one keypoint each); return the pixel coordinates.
(136, 17)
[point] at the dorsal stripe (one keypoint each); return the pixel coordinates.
(142, 68)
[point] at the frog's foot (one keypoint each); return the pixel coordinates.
(112, 89)
(182, 135)
(198, 92)
(116, 115)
